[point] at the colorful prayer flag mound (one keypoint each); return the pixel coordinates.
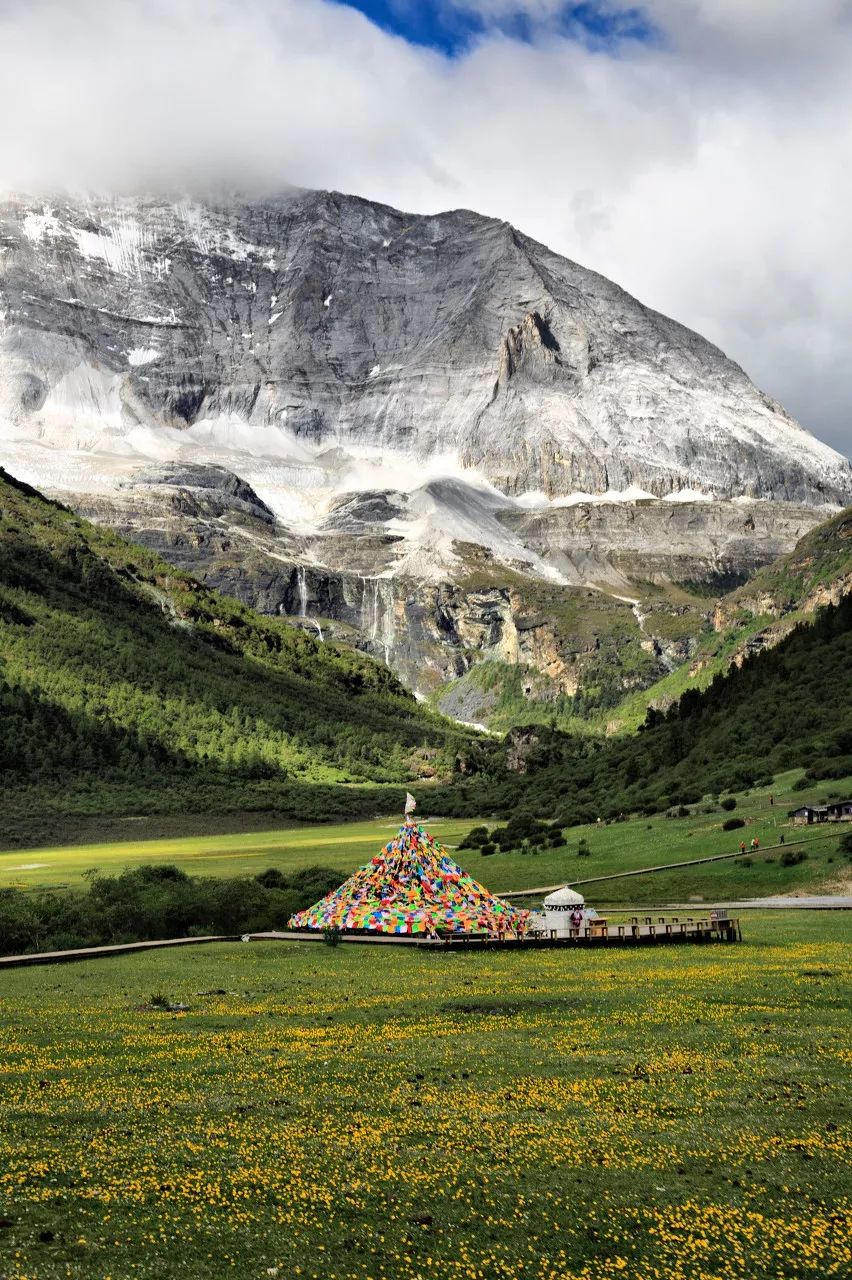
(412, 886)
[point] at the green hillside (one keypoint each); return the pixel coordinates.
(822, 559)
(126, 686)
(783, 707)
(618, 684)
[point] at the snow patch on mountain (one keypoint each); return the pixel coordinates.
(468, 383)
(688, 495)
(142, 355)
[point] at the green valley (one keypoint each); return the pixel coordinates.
(128, 687)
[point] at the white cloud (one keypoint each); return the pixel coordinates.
(710, 173)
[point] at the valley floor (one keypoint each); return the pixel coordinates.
(614, 847)
(381, 1112)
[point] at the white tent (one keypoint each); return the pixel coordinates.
(558, 908)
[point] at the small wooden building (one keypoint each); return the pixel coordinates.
(840, 811)
(810, 813)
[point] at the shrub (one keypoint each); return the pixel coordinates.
(575, 817)
(793, 857)
(487, 849)
(331, 935)
(729, 803)
(583, 850)
(845, 845)
(153, 902)
(745, 862)
(271, 878)
(732, 824)
(475, 837)
(520, 825)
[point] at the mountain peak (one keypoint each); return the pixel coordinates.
(275, 329)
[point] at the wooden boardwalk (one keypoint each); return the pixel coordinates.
(642, 931)
(647, 931)
(103, 953)
(638, 931)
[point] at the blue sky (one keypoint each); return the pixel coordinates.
(451, 26)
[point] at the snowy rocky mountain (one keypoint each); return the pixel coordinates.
(431, 433)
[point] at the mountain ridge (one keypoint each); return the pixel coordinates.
(371, 328)
(412, 432)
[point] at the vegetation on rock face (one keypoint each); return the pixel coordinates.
(820, 560)
(784, 707)
(580, 654)
(125, 684)
(757, 615)
(614, 658)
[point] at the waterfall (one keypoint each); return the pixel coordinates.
(658, 648)
(302, 584)
(377, 613)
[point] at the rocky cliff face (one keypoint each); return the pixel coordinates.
(320, 324)
(816, 573)
(431, 434)
(598, 601)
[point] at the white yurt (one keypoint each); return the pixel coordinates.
(558, 908)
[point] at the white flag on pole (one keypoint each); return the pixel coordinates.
(410, 802)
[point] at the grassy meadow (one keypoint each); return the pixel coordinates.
(354, 1112)
(614, 847)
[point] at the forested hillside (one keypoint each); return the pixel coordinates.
(126, 686)
(784, 707)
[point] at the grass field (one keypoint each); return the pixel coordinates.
(343, 1113)
(617, 847)
(344, 846)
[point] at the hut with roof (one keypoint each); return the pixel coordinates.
(560, 909)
